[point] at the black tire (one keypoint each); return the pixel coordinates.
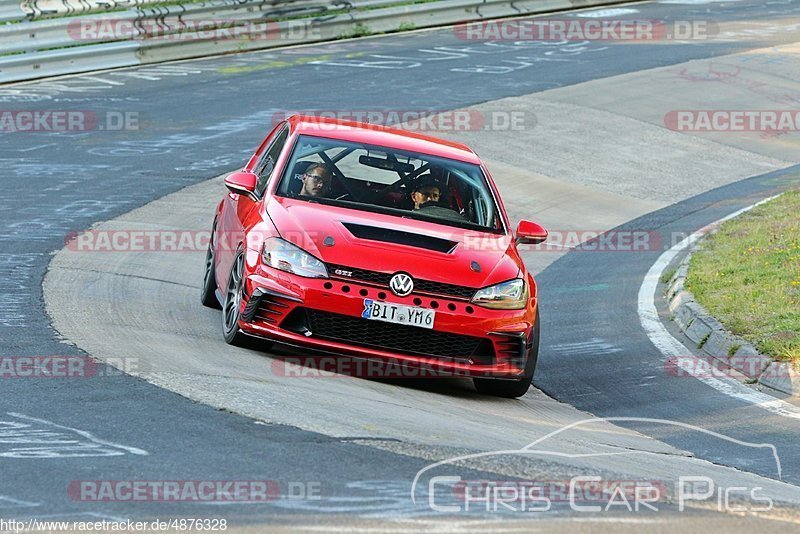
(231, 308)
(511, 389)
(208, 295)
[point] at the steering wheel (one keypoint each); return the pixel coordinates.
(340, 178)
(434, 209)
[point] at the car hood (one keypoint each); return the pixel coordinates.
(387, 243)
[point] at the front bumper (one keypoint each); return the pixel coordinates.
(325, 315)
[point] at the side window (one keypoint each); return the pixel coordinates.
(267, 162)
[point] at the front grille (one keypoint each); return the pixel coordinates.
(438, 288)
(402, 339)
(420, 286)
(360, 275)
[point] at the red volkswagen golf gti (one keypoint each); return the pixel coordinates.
(380, 244)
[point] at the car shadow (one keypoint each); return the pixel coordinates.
(291, 361)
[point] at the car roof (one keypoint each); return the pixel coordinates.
(371, 134)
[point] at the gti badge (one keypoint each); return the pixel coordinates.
(401, 284)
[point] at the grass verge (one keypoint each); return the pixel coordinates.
(747, 275)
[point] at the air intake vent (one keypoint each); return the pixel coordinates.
(374, 233)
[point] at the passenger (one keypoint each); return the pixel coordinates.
(316, 180)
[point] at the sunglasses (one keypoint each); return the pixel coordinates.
(316, 178)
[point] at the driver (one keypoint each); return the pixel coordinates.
(316, 180)
(427, 190)
(426, 195)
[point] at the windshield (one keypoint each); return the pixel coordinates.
(375, 178)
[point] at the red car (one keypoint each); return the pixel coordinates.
(379, 244)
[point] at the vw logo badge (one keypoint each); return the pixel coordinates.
(401, 284)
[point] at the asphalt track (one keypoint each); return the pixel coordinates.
(56, 184)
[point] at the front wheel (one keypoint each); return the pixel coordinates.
(512, 389)
(208, 294)
(231, 309)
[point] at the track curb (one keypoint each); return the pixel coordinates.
(713, 340)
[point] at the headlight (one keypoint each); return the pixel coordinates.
(511, 295)
(282, 255)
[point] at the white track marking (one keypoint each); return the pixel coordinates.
(606, 13)
(671, 347)
(486, 526)
(83, 433)
(56, 517)
(593, 346)
(695, 2)
(12, 502)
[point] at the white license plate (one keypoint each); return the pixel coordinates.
(398, 313)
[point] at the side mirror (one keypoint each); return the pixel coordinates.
(530, 233)
(242, 183)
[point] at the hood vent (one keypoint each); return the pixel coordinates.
(398, 237)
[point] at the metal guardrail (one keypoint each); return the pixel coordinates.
(39, 9)
(69, 61)
(10, 10)
(16, 10)
(60, 33)
(38, 46)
